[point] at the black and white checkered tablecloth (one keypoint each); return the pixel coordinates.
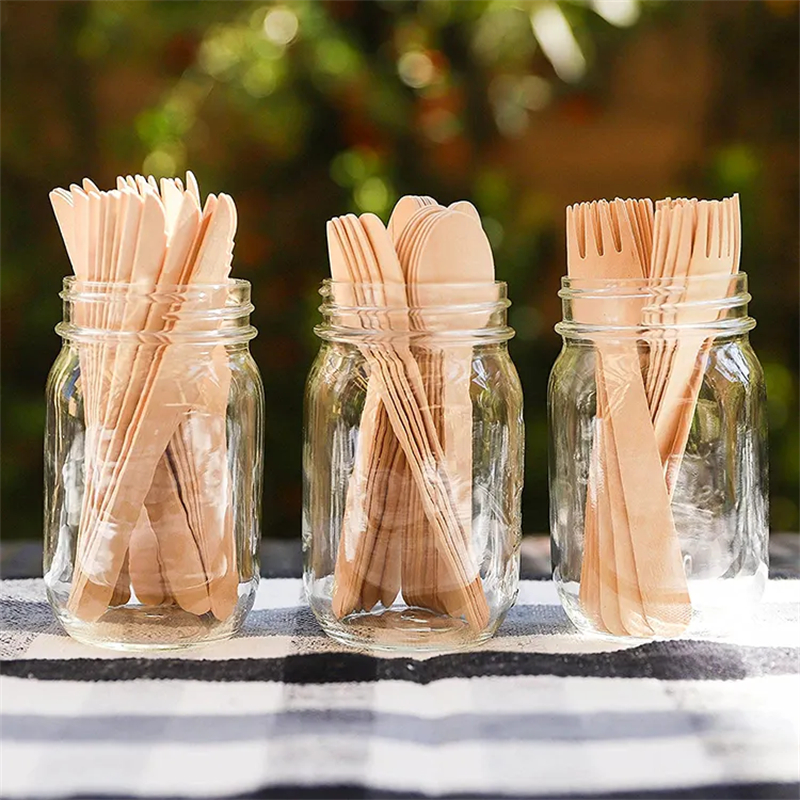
(283, 711)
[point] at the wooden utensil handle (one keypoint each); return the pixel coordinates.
(656, 550)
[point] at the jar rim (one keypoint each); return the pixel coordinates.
(572, 286)
(192, 313)
(358, 313)
(656, 280)
(72, 284)
(456, 284)
(711, 304)
(465, 301)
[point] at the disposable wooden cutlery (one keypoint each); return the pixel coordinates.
(632, 578)
(155, 497)
(713, 250)
(406, 439)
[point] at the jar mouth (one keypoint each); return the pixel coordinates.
(197, 313)
(714, 304)
(74, 289)
(444, 312)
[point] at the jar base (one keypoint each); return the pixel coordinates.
(720, 608)
(404, 628)
(139, 628)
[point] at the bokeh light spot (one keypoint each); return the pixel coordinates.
(622, 13)
(221, 51)
(336, 57)
(440, 125)
(260, 80)
(281, 25)
(160, 164)
(372, 195)
(535, 92)
(349, 168)
(416, 69)
(495, 231)
(554, 34)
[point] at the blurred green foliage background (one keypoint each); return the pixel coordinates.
(303, 110)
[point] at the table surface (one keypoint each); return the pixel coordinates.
(283, 711)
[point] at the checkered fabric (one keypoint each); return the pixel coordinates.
(283, 711)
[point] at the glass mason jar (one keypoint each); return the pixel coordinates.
(658, 457)
(153, 449)
(413, 459)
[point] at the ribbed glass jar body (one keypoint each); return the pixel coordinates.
(153, 465)
(413, 460)
(692, 368)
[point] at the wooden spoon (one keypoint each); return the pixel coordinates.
(435, 486)
(401, 389)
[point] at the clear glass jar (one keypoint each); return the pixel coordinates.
(411, 541)
(153, 464)
(658, 458)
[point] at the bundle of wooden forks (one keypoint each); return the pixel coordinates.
(633, 581)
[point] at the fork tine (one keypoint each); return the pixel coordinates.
(683, 251)
(591, 227)
(700, 249)
(715, 231)
(608, 236)
(642, 218)
(627, 208)
(710, 229)
(680, 236)
(580, 211)
(628, 232)
(664, 212)
(645, 219)
(673, 218)
(727, 233)
(573, 240)
(659, 243)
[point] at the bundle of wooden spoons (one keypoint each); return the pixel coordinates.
(407, 518)
(632, 580)
(155, 514)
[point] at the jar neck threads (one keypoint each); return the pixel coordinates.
(186, 314)
(707, 305)
(440, 314)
